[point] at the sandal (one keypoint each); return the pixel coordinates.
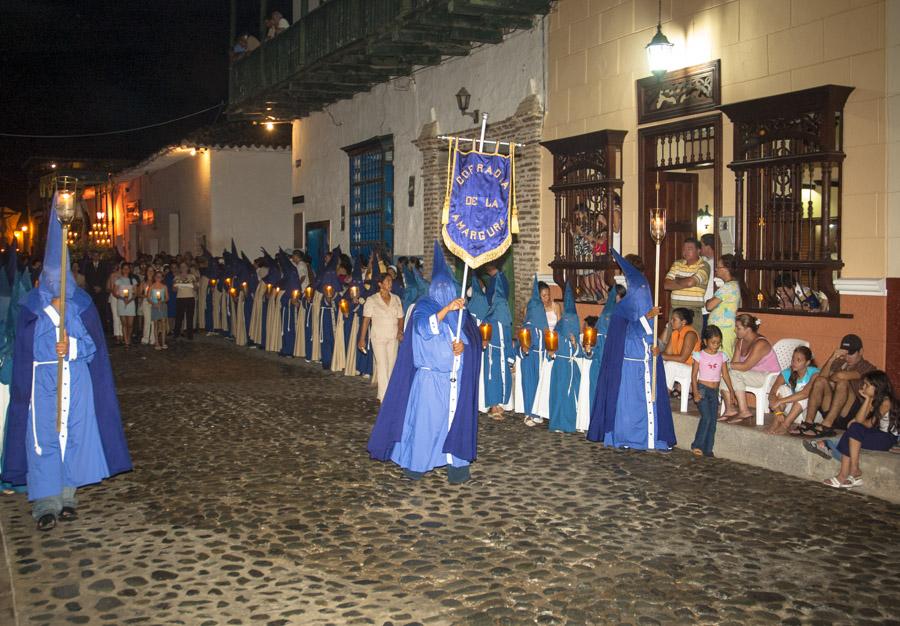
(696, 451)
(67, 514)
(739, 418)
(802, 428)
(854, 481)
(834, 482)
(815, 448)
(821, 432)
(46, 522)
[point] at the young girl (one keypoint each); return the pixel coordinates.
(709, 369)
(875, 428)
(158, 296)
(788, 400)
(126, 286)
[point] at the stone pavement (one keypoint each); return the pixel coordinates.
(253, 501)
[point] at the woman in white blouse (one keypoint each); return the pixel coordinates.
(383, 313)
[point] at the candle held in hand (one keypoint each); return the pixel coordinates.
(486, 331)
(525, 339)
(551, 340)
(590, 338)
(309, 293)
(344, 305)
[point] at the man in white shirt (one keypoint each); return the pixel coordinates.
(302, 270)
(708, 254)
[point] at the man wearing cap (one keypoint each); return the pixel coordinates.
(837, 393)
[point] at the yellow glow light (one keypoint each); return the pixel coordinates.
(270, 126)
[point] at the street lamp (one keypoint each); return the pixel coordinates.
(463, 98)
(659, 50)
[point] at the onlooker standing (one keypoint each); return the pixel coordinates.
(687, 279)
(147, 335)
(725, 302)
(79, 277)
(299, 263)
(836, 391)
(709, 370)
(96, 273)
(113, 301)
(185, 284)
(158, 297)
(383, 312)
(126, 286)
(708, 254)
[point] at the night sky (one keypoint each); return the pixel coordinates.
(82, 66)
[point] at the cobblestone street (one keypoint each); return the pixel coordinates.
(253, 500)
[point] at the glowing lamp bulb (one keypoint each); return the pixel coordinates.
(270, 126)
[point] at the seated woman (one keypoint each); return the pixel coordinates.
(874, 428)
(788, 400)
(681, 341)
(754, 359)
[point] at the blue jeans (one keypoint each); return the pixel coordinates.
(708, 403)
(53, 504)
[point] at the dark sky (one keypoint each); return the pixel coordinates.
(81, 66)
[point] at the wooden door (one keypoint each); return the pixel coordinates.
(678, 194)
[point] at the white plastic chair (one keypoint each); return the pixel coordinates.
(679, 373)
(784, 351)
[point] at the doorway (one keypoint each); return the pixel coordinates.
(685, 157)
(318, 242)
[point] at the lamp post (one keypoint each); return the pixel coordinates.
(65, 212)
(658, 233)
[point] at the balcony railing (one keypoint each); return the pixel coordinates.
(346, 46)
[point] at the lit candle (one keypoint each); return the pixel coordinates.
(590, 337)
(124, 293)
(759, 298)
(354, 292)
(344, 306)
(551, 340)
(228, 282)
(295, 294)
(157, 293)
(486, 331)
(244, 286)
(233, 292)
(525, 339)
(213, 282)
(329, 291)
(309, 292)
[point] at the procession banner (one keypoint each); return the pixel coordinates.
(479, 216)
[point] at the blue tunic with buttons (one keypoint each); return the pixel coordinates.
(73, 457)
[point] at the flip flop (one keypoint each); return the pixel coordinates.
(854, 481)
(834, 482)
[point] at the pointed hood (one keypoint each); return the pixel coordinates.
(375, 278)
(499, 307)
(638, 298)
(443, 289)
(569, 324)
(535, 314)
(329, 274)
(478, 304)
(609, 308)
(356, 274)
(51, 272)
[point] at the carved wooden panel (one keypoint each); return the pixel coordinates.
(681, 92)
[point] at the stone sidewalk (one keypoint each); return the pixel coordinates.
(253, 501)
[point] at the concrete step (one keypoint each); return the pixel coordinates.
(786, 454)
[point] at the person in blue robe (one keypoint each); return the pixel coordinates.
(478, 304)
(565, 377)
(90, 444)
(272, 278)
(499, 356)
(429, 416)
(21, 286)
(329, 307)
(248, 283)
(410, 287)
(623, 413)
(530, 360)
(289, 299)
(602, 328)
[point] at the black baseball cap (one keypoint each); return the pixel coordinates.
(851, 343)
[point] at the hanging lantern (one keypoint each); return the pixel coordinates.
(659, 50)
(658, 224)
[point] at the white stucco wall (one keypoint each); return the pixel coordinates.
(250, 192)
(182, 188)
(499, 77)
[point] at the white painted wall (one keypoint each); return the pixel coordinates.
(182, 188)
(250, 192)
(499, 77)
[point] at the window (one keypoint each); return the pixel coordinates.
(788, 157)
(372, 196)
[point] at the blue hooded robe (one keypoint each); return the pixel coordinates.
(21, 286)
(565, 377)
(290, 284)
(329, 307)
(530, 364)
(91, 444)
(427, 418)
(623, 414)
(499, 353)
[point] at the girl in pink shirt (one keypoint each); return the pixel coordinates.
(709, 369)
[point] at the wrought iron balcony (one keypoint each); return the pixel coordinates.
(344, 47)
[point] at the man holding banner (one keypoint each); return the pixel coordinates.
(429, 417)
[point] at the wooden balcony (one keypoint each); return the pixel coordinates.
(344, 47)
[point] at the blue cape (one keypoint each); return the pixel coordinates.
(109, 420)
(462, 440)
(636, 303)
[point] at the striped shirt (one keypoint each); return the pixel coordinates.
(700, 270)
